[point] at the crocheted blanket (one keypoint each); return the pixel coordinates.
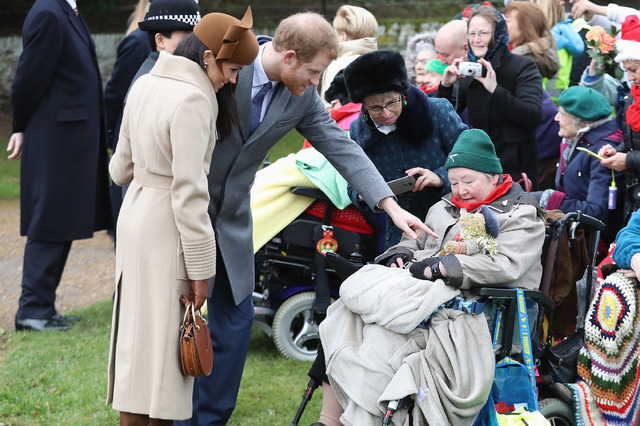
(608, 362)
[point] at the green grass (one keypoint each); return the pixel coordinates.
(61, 378)
(9, 173)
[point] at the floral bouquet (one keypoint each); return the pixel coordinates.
(602, 47)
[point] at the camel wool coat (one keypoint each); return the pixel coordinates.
(164, 236)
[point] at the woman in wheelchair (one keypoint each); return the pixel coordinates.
(406, 325)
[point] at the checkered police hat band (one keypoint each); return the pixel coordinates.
(187, 19)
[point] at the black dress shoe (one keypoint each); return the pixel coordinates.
(27, 324)
(65, 318)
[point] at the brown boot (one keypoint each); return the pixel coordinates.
(160, 422)
(130, 419)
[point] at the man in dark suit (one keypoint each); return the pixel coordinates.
(58, 131)
(281, 84)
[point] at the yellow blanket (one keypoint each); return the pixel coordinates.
(272, 204)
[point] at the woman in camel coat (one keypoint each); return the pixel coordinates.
(165, 245)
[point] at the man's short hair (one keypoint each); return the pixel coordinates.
(151, 36)
(308, 34)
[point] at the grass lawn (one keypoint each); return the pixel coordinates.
(61, 378)
(9, 173)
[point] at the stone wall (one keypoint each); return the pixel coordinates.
(393, 36)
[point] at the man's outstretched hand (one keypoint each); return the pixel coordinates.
(408, 223)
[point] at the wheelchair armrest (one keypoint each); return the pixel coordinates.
(510, 293)
(343, 267)
(309, 192)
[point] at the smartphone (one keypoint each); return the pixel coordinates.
(402, 185)
(590, 153)
(567, 7)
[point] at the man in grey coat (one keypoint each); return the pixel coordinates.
(281, 84)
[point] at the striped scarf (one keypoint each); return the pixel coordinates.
(608, 363)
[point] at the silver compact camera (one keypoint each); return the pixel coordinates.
(471, 69)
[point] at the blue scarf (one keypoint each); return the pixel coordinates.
(499, 42)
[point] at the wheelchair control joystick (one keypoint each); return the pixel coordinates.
(356, 256)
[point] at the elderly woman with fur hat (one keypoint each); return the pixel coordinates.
(165, 245)
(402, 130)
(626, 155)
(377, 328)
(582, 183)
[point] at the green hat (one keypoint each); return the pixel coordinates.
(585, 103)
(474, 150)
(436, 66)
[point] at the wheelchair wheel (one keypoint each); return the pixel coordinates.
(294, 333)
(558, 412)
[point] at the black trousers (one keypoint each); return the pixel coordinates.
(318, 370)
(43, 264)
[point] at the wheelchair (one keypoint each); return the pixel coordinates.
(293, 285)
(555, 409)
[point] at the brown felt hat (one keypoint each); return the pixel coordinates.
(230, 39)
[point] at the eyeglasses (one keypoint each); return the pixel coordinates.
(389, 106)
(481, 34)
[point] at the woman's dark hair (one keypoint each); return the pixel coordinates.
(192, 48)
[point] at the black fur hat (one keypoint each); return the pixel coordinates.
(337, 90)
(376, 72)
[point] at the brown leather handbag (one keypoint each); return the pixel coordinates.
(195, 344)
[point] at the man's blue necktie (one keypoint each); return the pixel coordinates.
(256, 106)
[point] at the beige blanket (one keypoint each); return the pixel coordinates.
(375, 353)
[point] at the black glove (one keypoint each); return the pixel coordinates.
(417, 268)
(394, 259)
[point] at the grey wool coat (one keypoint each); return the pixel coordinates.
(164, 236)
(236, 160)
(517, 262)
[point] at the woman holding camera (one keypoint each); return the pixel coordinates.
(402, 131)
(504, 99)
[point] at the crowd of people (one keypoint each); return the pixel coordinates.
(498, 110)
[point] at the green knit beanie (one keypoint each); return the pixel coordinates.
(435, 66)
(585, 103)
(474, 150)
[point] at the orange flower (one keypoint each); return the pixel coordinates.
(609, 39)
(605, 48)
(596, 34)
